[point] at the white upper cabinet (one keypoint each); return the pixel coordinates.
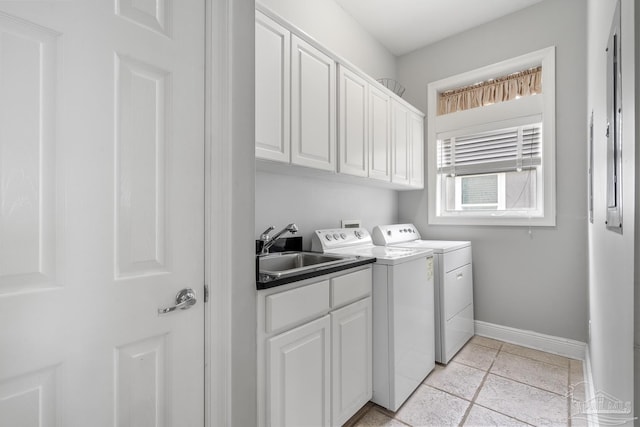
(273, 44)
(407, 146)
(315, 110)
(313, 107)
(399, 143)
(353, 142)
(416, 144)
(379, 134)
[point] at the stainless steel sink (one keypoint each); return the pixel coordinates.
(285, 264)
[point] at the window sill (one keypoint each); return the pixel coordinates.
(494, 220)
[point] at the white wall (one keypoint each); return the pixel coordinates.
(315, 203)
(331, 26)
(611, 272)
(637, 229)
(534, 281)
(231, 279)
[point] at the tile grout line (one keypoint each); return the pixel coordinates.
(475, 395)
(567, 367)
(472, 401)
(527, 384)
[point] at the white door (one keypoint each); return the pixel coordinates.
(101, 212)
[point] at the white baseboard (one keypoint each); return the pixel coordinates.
(556, 345)
(589, 390)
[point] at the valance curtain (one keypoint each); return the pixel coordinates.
(523, 83)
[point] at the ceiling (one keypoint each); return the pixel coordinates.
(405, 25)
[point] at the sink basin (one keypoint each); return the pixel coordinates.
(284, 264)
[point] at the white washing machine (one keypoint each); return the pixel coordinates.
(453, 284)
(403, 311)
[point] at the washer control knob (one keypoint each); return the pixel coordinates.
(358, 234)
(388, 232)
(336, 236)
(344, 236)
(327, 236)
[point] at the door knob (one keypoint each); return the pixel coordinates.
(184, 300)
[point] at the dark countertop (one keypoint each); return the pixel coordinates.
(261, 283)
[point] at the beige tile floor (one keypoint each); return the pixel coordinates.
(490, 383)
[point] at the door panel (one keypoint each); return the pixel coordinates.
(27, 156)
(140, 167)
(102, 212)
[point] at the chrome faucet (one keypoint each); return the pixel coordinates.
(268, 241)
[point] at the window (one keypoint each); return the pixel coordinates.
(493, 163)
(495, 170)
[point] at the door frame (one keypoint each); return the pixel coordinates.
(230, 314)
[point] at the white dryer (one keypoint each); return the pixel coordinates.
(403, 311)
(453, 284)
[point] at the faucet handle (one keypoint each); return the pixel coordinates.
(265, 234)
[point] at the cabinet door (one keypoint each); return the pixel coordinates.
(416, 145)
(272, 90)
(313, 107)
(353, 144)
(298, 378)
(379, 134)
(352, 349)
(399, 143)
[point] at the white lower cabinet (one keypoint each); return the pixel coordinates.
(351, 360)
(298, 377)
(315, 350)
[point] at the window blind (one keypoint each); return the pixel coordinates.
(500, 150)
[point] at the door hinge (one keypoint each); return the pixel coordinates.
(206, 293)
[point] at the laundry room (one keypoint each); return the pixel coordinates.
(286, 213)
(534, 277)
